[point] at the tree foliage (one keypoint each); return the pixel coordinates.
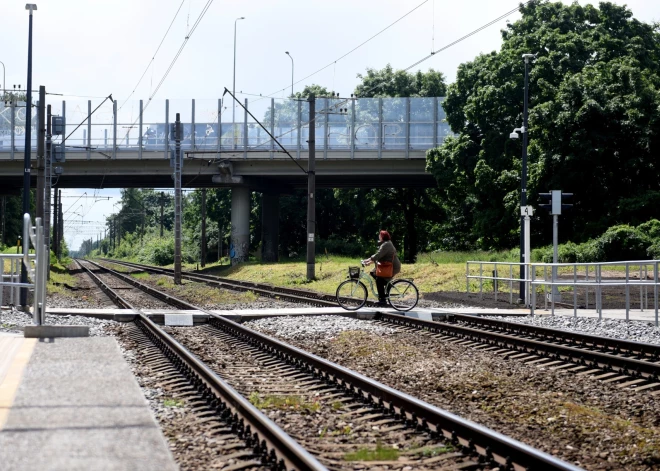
(594, 111)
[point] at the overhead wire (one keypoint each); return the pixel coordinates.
(153, 57)
(349, 52)
(453, 43)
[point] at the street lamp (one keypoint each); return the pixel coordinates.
(524, 130)
(287, 53)
(28, 145)
(233, 88)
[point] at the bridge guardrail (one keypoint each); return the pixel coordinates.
(376, 125)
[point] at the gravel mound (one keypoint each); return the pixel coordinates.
(314, 327)
(614, 328)
(13, 321)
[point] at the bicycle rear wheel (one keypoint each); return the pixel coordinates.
(402, 295)
(351, 295)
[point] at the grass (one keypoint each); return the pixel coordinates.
(429, 274)
(169, 402)
(378, 454)
(282, 402)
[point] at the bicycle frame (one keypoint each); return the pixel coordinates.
(364, 275)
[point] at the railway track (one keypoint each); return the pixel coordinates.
(289, 294)
(262, 441)
(631, 365)
(418, 422)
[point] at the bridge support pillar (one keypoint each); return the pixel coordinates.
(239, 249)
(270, 227)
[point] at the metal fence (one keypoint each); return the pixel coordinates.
(626, 284)
(37, 268)
(370, 127)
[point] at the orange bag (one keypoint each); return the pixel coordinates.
(384, 269)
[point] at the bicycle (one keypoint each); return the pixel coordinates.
(352, 294)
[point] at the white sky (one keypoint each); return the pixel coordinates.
(94, 48)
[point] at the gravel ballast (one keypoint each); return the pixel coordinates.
(577, 418)
(615, 328)
(13, 321)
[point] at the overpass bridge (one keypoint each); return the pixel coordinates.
(364, 142)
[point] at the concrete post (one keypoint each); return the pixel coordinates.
(270, 227)
(239, 250)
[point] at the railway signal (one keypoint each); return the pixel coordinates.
(553, 204)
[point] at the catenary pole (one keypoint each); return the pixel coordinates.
(203, 242)
(177, 200)
(28, 148)
(311, 189)
(524, 258)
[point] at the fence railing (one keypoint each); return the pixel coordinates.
(371, 126)
(37, 270)
(627, 284)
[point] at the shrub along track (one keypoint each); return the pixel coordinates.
(402, 417)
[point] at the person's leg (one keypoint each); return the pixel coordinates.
(380, 285)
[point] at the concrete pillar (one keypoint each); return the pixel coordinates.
(239, 249)
(270, 226)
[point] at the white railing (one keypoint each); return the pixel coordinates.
(36, 265)
(585, 279)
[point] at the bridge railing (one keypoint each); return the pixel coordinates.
(363, 127)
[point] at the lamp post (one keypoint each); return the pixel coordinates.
(233, 88)
(524, 257)
(287, 53)
(28, 145)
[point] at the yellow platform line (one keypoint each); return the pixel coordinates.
(9, 385)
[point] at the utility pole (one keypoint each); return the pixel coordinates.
(49, 184)
(219, 244)
(525, 258)
(142, 230)
(203, 254)
(177, 200)
(3, 210)
(41, 164)
(162, 197)
(311, 189)
(56, 223)
(60, 230)
(28, 149)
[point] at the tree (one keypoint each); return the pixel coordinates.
(594, 115)
(410, 203)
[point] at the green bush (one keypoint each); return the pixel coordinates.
(623, 242)
(650, 228)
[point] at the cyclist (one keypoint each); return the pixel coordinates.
(386, 254)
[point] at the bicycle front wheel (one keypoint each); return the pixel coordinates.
(402, 295)
(351, 295)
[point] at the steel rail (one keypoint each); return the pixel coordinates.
(583, 357)
(617, 346)
(264, 289)
(274, 446)
(489, 444)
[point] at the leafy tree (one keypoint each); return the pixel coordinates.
(594, 115)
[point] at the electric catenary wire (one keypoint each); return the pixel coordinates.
(153, 57)
(349, 52)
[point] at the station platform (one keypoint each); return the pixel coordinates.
(74, 404)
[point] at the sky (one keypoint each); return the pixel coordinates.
(85, 48)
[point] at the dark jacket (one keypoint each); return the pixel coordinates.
(387, 253)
